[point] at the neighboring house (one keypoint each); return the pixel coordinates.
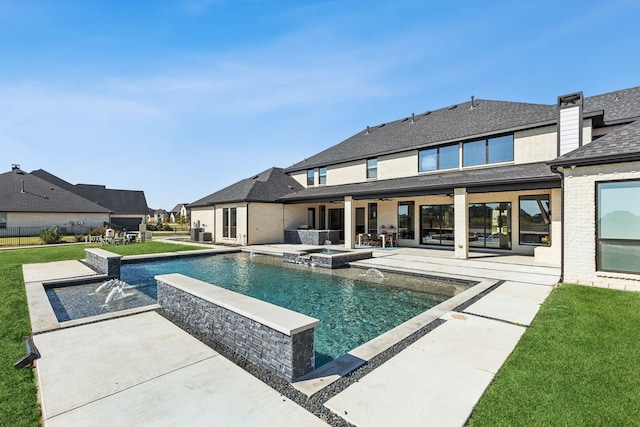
(157, 216)
(180, 210)
(479, 175)
(27, 200)
(246, 212)
(128, 207)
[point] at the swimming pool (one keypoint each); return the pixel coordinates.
(353, 305)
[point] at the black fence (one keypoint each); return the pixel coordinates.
(20, 236)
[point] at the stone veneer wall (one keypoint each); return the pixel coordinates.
(325, 260)
(311, 237)
(580, 226)
(288, 356)
(103, 262)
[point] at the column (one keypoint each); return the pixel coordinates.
(461, 235)
(349, 222)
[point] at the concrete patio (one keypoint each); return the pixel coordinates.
(142, 369)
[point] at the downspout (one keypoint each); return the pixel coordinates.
(246, 242)
(560, 171)
(214, 223)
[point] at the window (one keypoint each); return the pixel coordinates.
(405, 220)
(436, 225)
(438, 158)
(618, 226)
(490, 225)
(229, 228)
(534, 220)
(322, 217)
(492, 150)
(3, 220)
(372, 224)
(359, 220)
(310, 178)
(372, 168)
(311, 217)
(322, 176)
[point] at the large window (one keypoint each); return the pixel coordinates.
(310, 178)
(492, 150)
(3, 220)
(618, 237)
(490, 225)
(436, 225)
(322, 176)
(534, 220)
(438, 158)
(372, 168)
(405, 220)
(229, 216)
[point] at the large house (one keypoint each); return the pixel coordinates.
(40, 199)
(560, 182)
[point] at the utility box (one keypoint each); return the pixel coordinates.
(207, 237)
(195, 234)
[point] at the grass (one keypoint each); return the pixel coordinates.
(578, 364)
(18, 404)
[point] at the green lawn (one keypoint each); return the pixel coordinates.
(18, 405)
(578, 364)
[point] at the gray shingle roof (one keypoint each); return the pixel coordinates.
(267, 186)
(618, 105)
(522, 176)
(117, 201)
(440, 126)
(40, 196)
(619, 146)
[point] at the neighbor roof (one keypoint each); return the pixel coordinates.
(499, 178)
(40, 195)
(267, 186)
(117, 201)
(622, 145)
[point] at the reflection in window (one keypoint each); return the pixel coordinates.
(474, 153)
(492, 150)
(490, 225)
(405, 220)
(436, 225)
(3, 220)
(534, 220)
(322, 176)
(310, 178)
(438, 158)
(372, 222)
(618, 239)
(229, 222)
(372, 168)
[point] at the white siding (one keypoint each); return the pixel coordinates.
(569, 129)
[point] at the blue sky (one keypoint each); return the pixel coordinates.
(181, 98)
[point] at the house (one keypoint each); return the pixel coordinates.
(180, 211)
(26, 200)
(157, 216)
(480, 175)
(247, 212)
(128, 208)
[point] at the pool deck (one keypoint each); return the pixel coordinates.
(141, 369)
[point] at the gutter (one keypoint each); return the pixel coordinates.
(560, 172)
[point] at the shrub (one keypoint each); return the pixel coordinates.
(51, 235)
(79, 238)
(98, 231)
(167, 227)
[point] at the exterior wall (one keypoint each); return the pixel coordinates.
(241, 224)
(398, 165)
(346, 173)
(301, 177)
(45, 219)
(265, 223)
(205, 217)
(294, 215)
(535, 145)
(580, 225)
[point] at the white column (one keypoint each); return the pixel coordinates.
(349, 222)
(461, 224)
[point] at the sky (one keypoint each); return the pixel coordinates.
(181, 98)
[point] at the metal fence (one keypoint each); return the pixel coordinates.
(20, 236)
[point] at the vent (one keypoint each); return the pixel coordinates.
(427, 113)
(382, 125)
(452, 107)
(405, 119)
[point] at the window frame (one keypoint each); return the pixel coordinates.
(438, 157)
(411, 220)
(311, 177)
(372, 171)
(322, 176)
(598, 229)
(546, 217)
(487, 150)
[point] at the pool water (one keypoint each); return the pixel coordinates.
(353, 305)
